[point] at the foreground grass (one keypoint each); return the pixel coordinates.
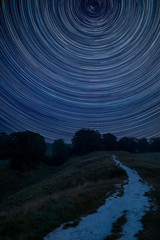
(148, 167)
(34, 203)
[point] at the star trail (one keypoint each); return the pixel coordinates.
(71, 64)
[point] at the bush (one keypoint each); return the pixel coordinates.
(155, 144)
(61, 151)
(128, 144)
(86, 141)
(27, 149)
(109, 142)
(4, 150)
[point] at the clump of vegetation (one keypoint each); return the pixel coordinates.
(71, 224)
(117, 228)
(26, 149)
(59, 154)
(4, 146)
(86, 141)
(110, 142)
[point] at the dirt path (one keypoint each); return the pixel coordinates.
(99, 225)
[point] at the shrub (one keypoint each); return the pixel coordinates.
(27, 149)
(86, 140)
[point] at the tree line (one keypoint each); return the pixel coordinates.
(27, 149)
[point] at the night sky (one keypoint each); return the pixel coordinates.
(71, 64)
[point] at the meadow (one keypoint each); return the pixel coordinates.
(35, 202)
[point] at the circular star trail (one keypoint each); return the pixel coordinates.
(71, 64)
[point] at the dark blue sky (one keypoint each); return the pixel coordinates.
(71, 64)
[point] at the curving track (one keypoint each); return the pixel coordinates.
(99, 225)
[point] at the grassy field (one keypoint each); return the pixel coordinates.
(35, 202)
(148, 167)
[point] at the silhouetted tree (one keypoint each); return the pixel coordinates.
(128, 144)
(86, 140)
(27, 149)
(143, 145)
(4, 150)
(61, 151)
(109, 142)
(155, 144)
